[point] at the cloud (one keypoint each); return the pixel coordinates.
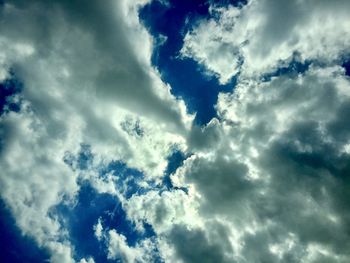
(33, 177)
(278, 175)
(267, 180)
(258, 37)
(162, 210)
(192, 245)
(119, 249)
(89, 260)
(85, 70)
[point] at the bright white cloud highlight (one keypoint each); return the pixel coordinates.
(257, 38)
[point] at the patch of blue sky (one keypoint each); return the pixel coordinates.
(81, 218)
(237, 3)
(175, 160)
(168, 23)
(294, 67)
(16, 247)
(346, 66)
(127, 180)
(90, 206)
(9, 88)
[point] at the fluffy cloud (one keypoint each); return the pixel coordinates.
(33, 176)
(119, 249)
(162, 210)
(277, 178)
(262, 35)
(86, 72)
(265, 181)
(273, 170)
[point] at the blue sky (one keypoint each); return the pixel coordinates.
(184, 75)
(15, 247)
(174, 131)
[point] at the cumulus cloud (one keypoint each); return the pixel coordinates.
(33, 176)
(265, 181)
(258, 37)
(86, 70)
(162, 210)
(273, 168)
(278, 176)
(119, 249)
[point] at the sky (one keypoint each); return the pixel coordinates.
(139, 131)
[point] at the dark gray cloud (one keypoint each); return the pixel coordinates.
(192, 245)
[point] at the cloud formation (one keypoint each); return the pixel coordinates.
(86, 71)
(265, 181)
(262, 35)
(278, 175)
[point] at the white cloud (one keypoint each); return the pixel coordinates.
(262, 34)
(265, 181)
(33, 176)
(266, 198)
(118, 248)
(85, 69)
(258, 177)
(60, 252)
(162, 210)
(209, 45)
(89, 260)
(98, 228)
